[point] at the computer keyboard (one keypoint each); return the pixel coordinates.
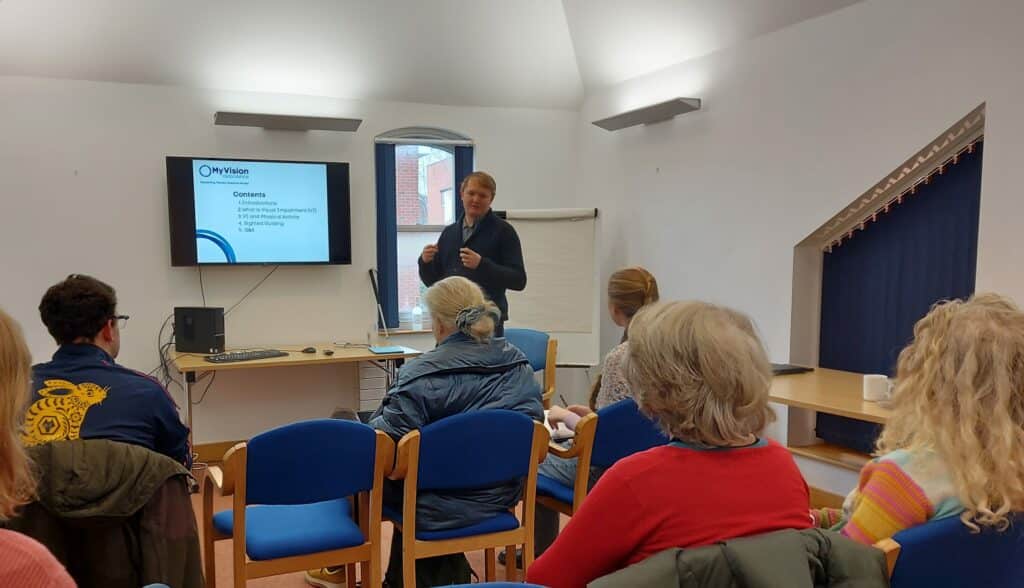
(233, 356)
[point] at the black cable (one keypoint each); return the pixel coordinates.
(159, 345)
(251, 290)
(205, 390)
(160, 353)
(202, 290)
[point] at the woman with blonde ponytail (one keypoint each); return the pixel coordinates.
(23, 561)
(629, 290)
(470, 369)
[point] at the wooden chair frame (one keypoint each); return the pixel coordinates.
(892, 552)
(230, 481)
(549, 372)
(582, 449)
(407, 468)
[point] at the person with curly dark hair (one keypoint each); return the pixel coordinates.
(83, 393)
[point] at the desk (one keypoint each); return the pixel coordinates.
(829, 391)
(189, 365)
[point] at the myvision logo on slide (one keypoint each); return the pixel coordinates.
(223, 172)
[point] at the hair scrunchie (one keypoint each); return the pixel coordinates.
(469, 316)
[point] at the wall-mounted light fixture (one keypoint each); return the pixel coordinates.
(649, 115)
(286, 122)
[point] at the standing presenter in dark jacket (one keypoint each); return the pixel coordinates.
(479, 246)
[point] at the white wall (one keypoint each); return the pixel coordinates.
(795, 125)
(83, 188)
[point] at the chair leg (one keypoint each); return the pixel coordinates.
(408, 570)
(408, 559)
(510, 563)
(238, 561)
(350, 575)
(364, 570)
(490, 565)
(209, 555)
(373, 577)
(527, 553)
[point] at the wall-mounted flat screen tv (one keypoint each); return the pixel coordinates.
(258, 212)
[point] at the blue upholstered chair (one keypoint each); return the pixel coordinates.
(478, 449)
(293, 489)
(542, 353)
(945, 553)
(603, 438)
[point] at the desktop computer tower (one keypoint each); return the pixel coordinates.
(199, 329)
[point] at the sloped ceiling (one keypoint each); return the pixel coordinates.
(526, 53)
(617, 40)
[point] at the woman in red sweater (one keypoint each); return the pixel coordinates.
(701, 372)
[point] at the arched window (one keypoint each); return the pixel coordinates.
(418, 173)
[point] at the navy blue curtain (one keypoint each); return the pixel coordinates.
(884, 279)
(463, 167)
(387, 233)
(877, 285)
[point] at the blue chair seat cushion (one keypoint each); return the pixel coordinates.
(551, 488)
(274, 531)
(503, 522)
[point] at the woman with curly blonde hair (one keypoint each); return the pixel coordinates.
(955, 441)
(23, 561)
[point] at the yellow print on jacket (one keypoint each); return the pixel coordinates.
(58, 416)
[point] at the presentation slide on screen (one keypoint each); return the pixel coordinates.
(260, 212)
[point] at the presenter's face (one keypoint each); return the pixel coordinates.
(476, 199)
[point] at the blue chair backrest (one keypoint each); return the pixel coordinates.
(310, 461)
(946, 553)
(533, 344)
(623, 430)
(476, 449)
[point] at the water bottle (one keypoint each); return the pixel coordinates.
(417, 318)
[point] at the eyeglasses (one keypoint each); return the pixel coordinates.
(122, 320)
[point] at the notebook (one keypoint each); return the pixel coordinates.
(387, 349)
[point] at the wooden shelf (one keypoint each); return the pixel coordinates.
(829, 391)
(833, 454)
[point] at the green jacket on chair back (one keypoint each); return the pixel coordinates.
(810, 558)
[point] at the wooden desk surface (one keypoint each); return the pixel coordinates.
(829, 391)
(195, 362)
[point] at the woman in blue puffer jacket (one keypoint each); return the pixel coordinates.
(469, 370)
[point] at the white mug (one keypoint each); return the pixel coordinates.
(877, 387)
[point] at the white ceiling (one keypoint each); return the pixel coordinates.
(616, 40)
(536, 53)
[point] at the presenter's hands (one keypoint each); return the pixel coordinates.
(470, 258)
(428, 253)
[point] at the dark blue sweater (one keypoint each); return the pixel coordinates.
(501, 266)
(83, 393)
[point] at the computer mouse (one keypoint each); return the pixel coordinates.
(309, 350)
(328, 352)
